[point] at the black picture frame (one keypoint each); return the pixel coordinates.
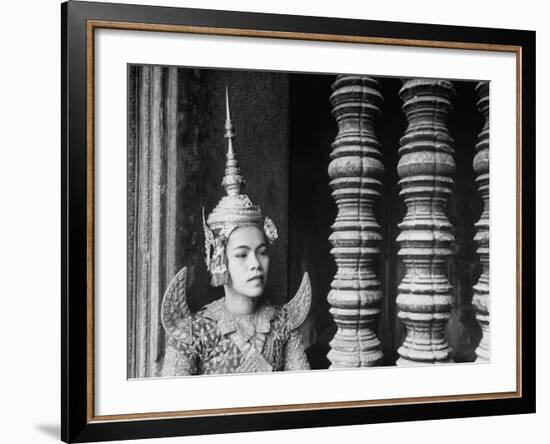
(78, 423)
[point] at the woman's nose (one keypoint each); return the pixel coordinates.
(254, 262)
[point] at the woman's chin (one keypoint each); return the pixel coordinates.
(255, 294)
(250, 289)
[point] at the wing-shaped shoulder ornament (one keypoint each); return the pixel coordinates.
(298, 307)
(175, 312)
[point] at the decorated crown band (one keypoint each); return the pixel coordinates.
(234, 210)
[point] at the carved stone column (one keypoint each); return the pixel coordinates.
(426, 167)
(481, 297)
(151, 211)
(356, 170)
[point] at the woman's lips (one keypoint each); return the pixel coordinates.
(256, 278)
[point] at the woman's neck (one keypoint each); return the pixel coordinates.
(239, 304)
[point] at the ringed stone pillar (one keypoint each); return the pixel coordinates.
(356, 171)
(426, 166)
(481, 297)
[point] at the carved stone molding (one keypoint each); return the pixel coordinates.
(481, 298)
(151, 212)
(356, 171)
(426, 166)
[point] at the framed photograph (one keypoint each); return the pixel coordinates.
(275, 221)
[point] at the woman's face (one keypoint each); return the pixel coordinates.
(247, 261)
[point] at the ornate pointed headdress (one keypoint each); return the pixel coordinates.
(235, 210)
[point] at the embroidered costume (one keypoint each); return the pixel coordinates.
(214, 340)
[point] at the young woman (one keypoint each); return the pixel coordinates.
(239, 332)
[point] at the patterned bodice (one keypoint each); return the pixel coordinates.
(223, 343)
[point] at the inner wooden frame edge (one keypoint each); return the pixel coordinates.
(90, 28)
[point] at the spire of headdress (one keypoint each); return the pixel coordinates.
(232, 181)
(233, 211)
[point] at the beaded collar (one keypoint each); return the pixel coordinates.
(245, 325)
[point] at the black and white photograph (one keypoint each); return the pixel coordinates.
(285, 221)
(276, 222)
